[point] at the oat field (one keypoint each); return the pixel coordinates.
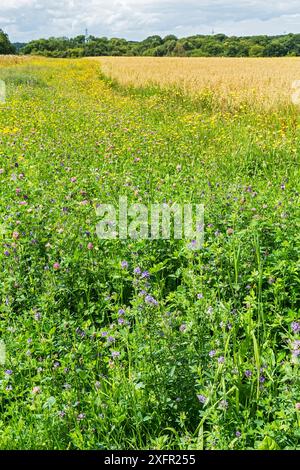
(149, 344)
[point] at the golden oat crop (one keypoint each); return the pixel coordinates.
(258, 81)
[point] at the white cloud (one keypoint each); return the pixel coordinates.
(136, 19)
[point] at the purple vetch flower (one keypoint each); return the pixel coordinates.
(297, 406)
(37, 316)
(202, 399)
(36, 390)
(262, 379)
(137, 271)
(199, 296)
(121, 311)
(295, 326)
(104, 334)
(61, 414)
(151, 300)
(248, 373)
(115, 354)
(124, 264)
(145, 275)
(9, 388)
(6, 253)
(97, 385)
(121, 321)
(182, 327)
(212, 353)
(81, 416)
(111, 339)
(210, 310)
(221, 360)
(56, 364)
(238, 434)
(8, 372)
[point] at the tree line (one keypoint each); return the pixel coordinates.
(217, 45)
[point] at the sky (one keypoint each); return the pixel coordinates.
(25, 20)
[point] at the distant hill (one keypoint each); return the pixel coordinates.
(19, 45)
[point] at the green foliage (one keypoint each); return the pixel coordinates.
(5, 45)
(216, 45)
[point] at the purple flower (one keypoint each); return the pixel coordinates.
(295, 326)
(212, 353)
(8, 372)
(145, 275)
(150, 300)
(262, 379)
(137, 271)
(182, 327)
(104, 334)
(210, 310)
(121, 321)
(111, 339)
(6, 253)
(199, 296)
(115, 354)
(81, 416)
(61, 414)
(124, 264)
(238, 434)
(9, 388)
(121, 311)
(221, 360)
(56, 364)
(248, 373)
(97, 385)
(201, 398)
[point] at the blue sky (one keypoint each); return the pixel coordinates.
(135, 19)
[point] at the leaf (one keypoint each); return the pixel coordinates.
(268, 444)
(49, 403)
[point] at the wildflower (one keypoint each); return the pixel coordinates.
(56, 266)
(6, 253)
(201, 398)
(238, 434)
(223, 404)
(121, 321)
(9, 388)
(199, 296)
(8, 372)
(61, 414)
(73, 179)
(37, 316)
(111, 339)
(124, 264)
(212, 353)
(145, 275)
(56, 364)
(81, 416)
(115, 354)
(262, 379)
(16, 235)
(248, 373)
(210, 310)
(90, 246)
(104, 334)
(121, 311)
(221, 360)
(97, 385)
(295, 326)
(36, 390)
(137, 271)
(182, 327)
(297, 406)
(150, 300)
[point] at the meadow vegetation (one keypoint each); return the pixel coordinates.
(139, 344)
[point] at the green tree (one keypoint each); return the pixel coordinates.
(6, 46)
